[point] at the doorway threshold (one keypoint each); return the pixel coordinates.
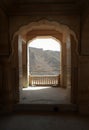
(45, 107)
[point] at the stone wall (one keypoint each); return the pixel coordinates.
(83, 84)
(4, 53)
(83, 66)
(11, 64)
(9, 68)
(4, 40)
(85, 33)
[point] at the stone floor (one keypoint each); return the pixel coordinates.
(44, 122)
(45, 95)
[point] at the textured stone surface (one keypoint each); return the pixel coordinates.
(45, 95)
(44, 122)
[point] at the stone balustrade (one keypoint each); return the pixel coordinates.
(44, 80)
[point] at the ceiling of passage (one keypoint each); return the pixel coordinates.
(18, 7)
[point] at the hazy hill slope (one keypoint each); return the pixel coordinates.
(44, 62)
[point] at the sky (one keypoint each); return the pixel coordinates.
(45, 43)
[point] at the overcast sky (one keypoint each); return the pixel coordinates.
(45, 43)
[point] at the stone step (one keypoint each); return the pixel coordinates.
(45, 108)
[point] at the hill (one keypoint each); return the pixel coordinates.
(44, 62)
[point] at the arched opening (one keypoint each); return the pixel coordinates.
(44, 61)
(61, 79)
(68, 65)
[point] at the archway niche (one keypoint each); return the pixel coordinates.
(68, 55)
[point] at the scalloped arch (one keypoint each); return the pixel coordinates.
(45, 24)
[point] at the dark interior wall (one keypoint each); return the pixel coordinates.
(4, 42)
(85, 33)
(4, 51)
(83, 65)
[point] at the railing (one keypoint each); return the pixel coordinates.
(44, 80)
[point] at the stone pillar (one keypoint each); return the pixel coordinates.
(74, 70)
(8, 90)
(83, 85)
(15, 69)
(24, 64)
(68, 51)
(20, 64)
(64, 72)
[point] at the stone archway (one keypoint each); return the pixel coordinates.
(48, 76)
(60, 32)
(51, 33)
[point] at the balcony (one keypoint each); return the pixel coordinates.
(44, 80)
